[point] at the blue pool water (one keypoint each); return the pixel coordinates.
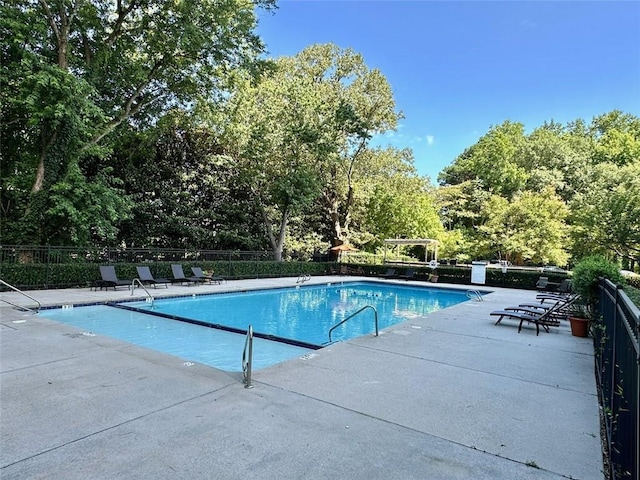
(303, 314)
(194, 343)
(307, 313)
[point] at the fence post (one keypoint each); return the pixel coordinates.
(47, 278)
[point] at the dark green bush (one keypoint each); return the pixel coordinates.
(634, 294)
(77, 274)
(586, 274)
(633, 280)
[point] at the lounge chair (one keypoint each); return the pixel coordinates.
(179, 277)
(565, 287)
(110, 279)
(543, 283)
(545, 319)
(557, 311)
(390, 273)
(146, 278)
(409, 274)
(199, 274)
(555, 297)
(357, 271)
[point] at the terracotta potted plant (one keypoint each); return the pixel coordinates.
(579, 319)
(584, 281)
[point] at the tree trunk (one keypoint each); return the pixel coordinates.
(335, 221)
(277, 243)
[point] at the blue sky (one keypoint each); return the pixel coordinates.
(457, 68)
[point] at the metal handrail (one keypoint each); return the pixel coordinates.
(247, 358)
(22, 293)
(475, 295)
(375, 312)
(139, 282)
(303, 277)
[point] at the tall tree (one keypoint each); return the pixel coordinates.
(186, 190)
(493, 160)
(361, 105)
(403, 208)
(272, 133)
(76, 70)
(607, 217)
(579, 162)
(617, 138)
(529, 228)
(304, 130)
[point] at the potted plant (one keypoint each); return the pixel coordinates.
(584, 281)
(579, 318)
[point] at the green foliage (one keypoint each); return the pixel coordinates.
(76, 272)
(187, 193)
(46, 276)
(303, 246)
(585, 278)
(402, 207)
(530, 228)
(632, 280)
(493, 159)
(591, 168)
(82, 212)
(617, 137)
(74, 72)
(157, 124)
(300, 133)
(633, 293)
(606, 216)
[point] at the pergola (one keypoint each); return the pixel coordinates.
(426, 242)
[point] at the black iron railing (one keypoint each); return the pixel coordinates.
(37, 267)
(616, 337)
(38, 254)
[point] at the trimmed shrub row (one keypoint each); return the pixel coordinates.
(65, 275)
(35, 276)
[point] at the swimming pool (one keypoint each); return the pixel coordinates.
(189, 342)
(299, 318)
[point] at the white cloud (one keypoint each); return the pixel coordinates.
(430, 139)
(526, 23)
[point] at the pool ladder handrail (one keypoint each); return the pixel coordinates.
(475, 295)
(139, 282)
(375, 313)
(247, 358)
(22, 293)
(303, 277)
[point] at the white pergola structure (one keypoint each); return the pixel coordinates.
(426, 242)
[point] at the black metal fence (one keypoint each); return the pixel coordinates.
(37, 254)
(618, 374)
(36, 267)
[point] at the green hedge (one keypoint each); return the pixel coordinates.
(633, 280)
(44, 276)
(513, 278)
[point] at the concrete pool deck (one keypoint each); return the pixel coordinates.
(447, 396)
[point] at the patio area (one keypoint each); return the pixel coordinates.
(446, 396)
